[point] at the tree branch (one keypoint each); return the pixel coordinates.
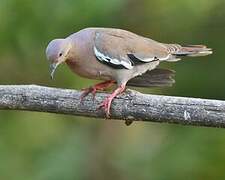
(131, 105)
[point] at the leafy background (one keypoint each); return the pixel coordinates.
(41, 146)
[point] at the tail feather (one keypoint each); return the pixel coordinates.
(193, 51)
(154, 78)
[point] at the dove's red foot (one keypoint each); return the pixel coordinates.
(106, 104)
(95, 88)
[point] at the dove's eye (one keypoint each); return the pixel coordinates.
(60, 54)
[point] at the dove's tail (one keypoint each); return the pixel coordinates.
(177, 51)
(154, 78)
(193, 50)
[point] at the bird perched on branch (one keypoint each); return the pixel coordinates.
(117, 57)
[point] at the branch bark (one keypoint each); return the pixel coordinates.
(131, 105)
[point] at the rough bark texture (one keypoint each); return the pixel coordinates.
(131, 105)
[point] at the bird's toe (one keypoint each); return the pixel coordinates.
(105, 105)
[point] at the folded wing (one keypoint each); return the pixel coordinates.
(121, 49)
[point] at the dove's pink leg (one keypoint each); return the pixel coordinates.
(95, 88)
(106, 104)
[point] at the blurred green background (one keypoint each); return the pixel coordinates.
(41, 146)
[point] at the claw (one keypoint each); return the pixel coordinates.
(93, 94)
(85, 93)
(95, 88)
(106, 104)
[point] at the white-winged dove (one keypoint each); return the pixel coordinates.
(117, 56)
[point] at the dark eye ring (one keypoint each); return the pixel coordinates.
(60, 54)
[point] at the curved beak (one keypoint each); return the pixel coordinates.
(53, 67)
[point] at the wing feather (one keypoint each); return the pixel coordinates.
(123, 50)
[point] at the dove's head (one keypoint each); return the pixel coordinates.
(57, 52)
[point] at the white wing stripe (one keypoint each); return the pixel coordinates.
(165, 58)
(114, 61)
(148, 59)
